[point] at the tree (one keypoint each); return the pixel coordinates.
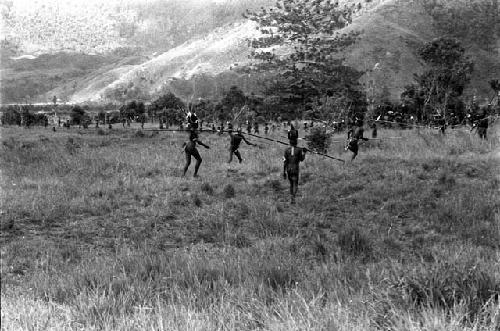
(307, 31)
(77, 115)
(448, 73)
(234, 98)
(169, 107)
(495, 86)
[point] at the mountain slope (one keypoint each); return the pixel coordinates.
(391, 33)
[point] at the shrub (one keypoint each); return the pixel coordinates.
(355, 243)
(207, 188)
(445, 284)
(228, 191)
(318, 140)
(196, 200)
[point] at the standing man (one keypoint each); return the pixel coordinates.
(235, 141)
(292, 158)
(374, 130)
(482, 127)
(190, 149)
(353, 139)
(293, 135)
(256, 128)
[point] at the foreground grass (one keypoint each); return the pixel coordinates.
(101, 232)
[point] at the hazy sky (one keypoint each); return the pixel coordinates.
(30, 5)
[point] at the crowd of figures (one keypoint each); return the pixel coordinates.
(293, 155)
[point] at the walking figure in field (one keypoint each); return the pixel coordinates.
(256, 128)
(190, 149)
(192, 120)
(482, 127)
(354, 135)
(293, 135)
(374, 130)
(235, 144)
(293, 156)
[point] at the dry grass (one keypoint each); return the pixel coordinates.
(101, 232)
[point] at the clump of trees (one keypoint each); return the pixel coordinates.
(308, 68)
(168, 108)
(440, 87)
(472, 21)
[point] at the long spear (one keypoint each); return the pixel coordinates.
(284, 143)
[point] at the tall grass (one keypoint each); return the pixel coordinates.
(101, 232)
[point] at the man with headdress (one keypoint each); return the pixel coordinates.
(293, 134)
(190, 149)
(354, 136)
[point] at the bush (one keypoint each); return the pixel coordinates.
(11, 117)
(228, 191)
(318, 140)
(355, 243)
(445, 284)
(207, 188)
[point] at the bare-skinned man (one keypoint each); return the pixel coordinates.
(190, 149)
(235, 142)
(291, 160)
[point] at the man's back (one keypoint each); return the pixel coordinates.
(293, 156)
(236, 140)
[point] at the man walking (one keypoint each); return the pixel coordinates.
(292, 158)
(235, 144)
(190, 149)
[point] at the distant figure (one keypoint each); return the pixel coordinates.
(256, 128)
(249, 127)
(190, 149)
(305, 125)
(353, 139)
(235, 144)
(192, 120)
(482, 127)
(266, 129)
(293, 135)
(442, 126)
(374, 130)
(123, 122)
(214, 130)
(292, 158)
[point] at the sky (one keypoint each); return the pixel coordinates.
(30, 5)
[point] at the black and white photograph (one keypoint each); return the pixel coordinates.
(282, 165)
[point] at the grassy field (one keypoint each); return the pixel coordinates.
(100, 232)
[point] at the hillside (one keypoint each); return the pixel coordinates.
(391, 32)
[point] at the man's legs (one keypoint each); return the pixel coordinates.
(198, 162)
(188, 162)
(238, 155)
(294, 181)
(230, 156)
